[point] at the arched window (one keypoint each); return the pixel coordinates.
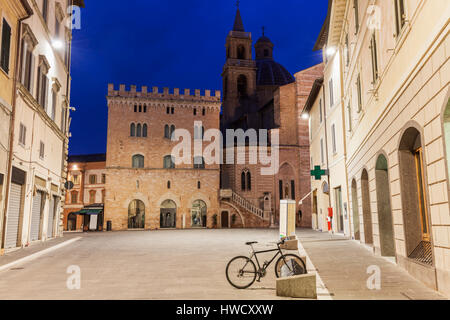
(195, 111)
(136, 215)
(172, 131)
(168, 185)
(169, 162)
(138, 161)
(133, 130)
(199, 185)
(167, 131)
(138, 130)
(241, 52)
(145, 108)
(199, 163)
(144, 130)
(246, 180)
(135, 108)
(242, 86)
(140, 108)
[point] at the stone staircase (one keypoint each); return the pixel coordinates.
(233, 197)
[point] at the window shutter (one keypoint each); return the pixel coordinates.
(24, 61)
(31, 85)
(6, 46)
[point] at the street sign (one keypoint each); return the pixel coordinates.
(68, 185)
(317, 173)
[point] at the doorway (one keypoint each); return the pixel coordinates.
(339, 215)
(168, 215)
(367, 213)
(225, 219)
(386, 228)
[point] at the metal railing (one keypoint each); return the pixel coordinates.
(244, 203)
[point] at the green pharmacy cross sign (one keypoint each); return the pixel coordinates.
(318, 173)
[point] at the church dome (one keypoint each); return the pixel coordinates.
(271, 73)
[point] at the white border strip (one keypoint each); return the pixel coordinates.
(37, 254)
(322, 291)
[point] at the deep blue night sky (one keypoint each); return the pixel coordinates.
(175, 44)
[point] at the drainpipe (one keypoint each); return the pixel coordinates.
(64, 173)
(12, 119)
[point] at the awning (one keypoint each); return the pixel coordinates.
(89, 212)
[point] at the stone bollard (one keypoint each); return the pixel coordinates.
(303, 286)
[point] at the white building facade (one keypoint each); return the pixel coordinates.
(395, 77)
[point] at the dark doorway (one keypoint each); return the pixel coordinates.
(355, 207)
(367, 213)
(386, 228)
(224, 219)
(72, 222)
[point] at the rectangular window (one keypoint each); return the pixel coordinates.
(54, 101)
(27, 75)
(42, 85)
(333, 137)
(92, 195)
(320, 111)
(6, 46)
(349, 110)
(103, 178)
(331, 93)
(359, 91)
(63, 119)
(22, 134)
(373, 50)
(42, 150)
(356, 7)
(280, 189)
(347, 51)
(400, 17)
(322, 155)
(74, 196)
(76, 179)
(45, 10)
(292, 190)
(92, 179)
(57, 26)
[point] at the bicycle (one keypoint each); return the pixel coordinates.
(243, 268)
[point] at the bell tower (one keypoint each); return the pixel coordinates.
(239, 72)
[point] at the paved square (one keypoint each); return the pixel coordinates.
(190, 264)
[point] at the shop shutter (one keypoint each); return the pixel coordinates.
(36, 217)
(51, 217)
(14, 208)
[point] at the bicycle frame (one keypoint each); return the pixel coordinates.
(264, 268)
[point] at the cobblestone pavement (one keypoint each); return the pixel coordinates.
(190, 264)
(343, 264)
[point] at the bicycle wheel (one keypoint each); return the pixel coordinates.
(241, 272)
(285, 258)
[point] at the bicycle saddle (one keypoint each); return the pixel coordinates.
(250, 243)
